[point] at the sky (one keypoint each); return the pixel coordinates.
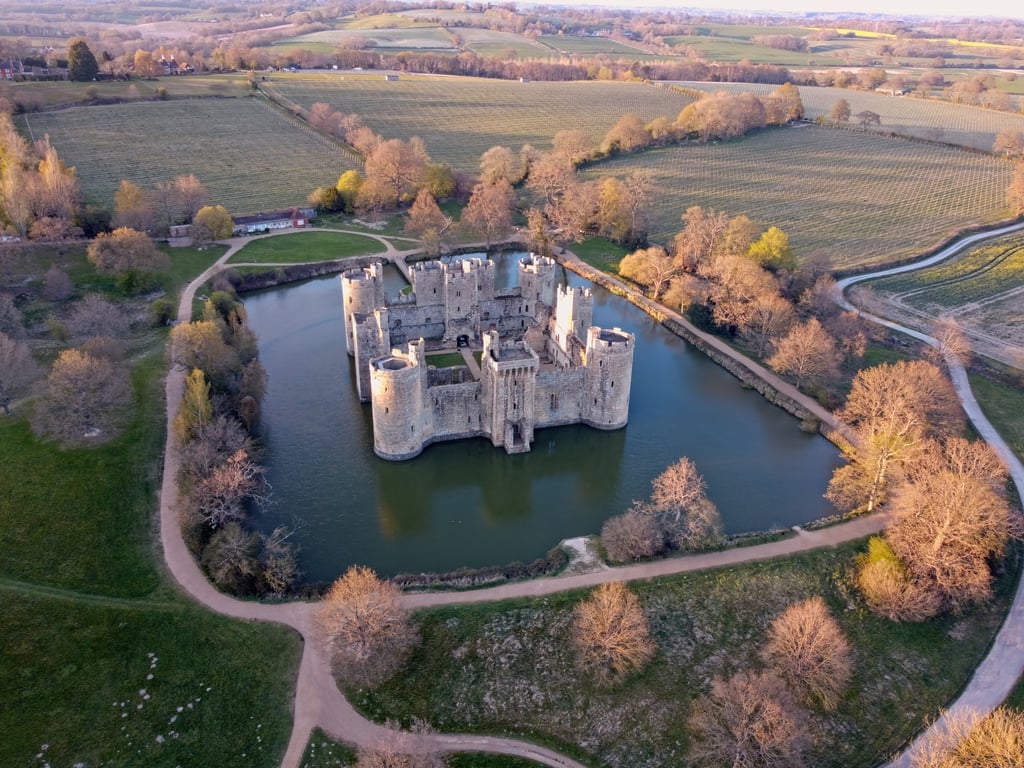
(956, 8)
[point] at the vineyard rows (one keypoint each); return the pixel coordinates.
(460, 119)
(250, 156)
(927, 119)
(980, 274)
(859, 198)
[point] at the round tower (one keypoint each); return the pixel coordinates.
(362, 291)
(608, 377)
(396, 391)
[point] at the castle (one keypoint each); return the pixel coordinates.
(561, 370)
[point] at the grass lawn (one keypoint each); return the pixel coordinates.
(508, 667)
(446, 360)
(298, 247)
(1003, 404)
(99, 650)
(599, 253)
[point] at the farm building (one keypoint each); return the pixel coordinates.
(391, 78)
(296, 218)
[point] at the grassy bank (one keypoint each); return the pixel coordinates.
(100, 652)
(1003, 404)
(508, 668)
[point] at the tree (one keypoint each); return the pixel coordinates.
(807, 353)
(220, 497)
(196, 409)
(633, 535)
(769, 316)
(82, 66)
(611, 634)
(123, 250)
(144, 65)
(191, 195)
(230, 558)
(736, 283)
(650, 267)
(82, 400)
(348, 189)
(211, 222)
(747, 720)
(398, 166)
(888, 587)
(489, 211)
(95, 315)
(426, 216)
(550, 175)
(210, 445)
(499, 163)
(55, 192)
(867, 117)
(698, 240)
(809, 651)
(57, 285)
(892, 408)
(18, 369)
(627, 135)
(772, 251)
(951, 519)
(678, 488)
(324, 118)
(1009, 142)
(968, 739)
(574, 144)
(840, 112)
(1015, 192)
(364, 628)
(133, 208)
(952, 339)
(788, 96)
(201, 345)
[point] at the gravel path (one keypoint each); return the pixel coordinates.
(319, 703)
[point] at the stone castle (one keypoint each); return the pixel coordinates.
(560, 369)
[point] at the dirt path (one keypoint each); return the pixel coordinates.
(319, 703)
(999, 671)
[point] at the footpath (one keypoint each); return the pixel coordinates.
(318, 701)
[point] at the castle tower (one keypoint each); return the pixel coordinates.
(398, 386)
(372, 339)
(428, 282)
(574, 312)
(362, 291)
(508, 393)
(537, 285)
(607, 377)
(464, 285)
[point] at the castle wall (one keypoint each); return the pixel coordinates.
(455, 411)
(558, 397)
(372, 339)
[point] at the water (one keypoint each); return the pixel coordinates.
(465, 503)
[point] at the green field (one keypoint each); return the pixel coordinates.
(927, 119)
(1003, 404)
(978, 273)
(250, 156)
(32, 96)
(498, 44)
(461, 118)
(411, 37)
(578, 45)
(508, 668)
(298, 247)
(860, 198)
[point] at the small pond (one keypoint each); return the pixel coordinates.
(466, 503)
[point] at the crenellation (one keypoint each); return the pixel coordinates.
(553, 368)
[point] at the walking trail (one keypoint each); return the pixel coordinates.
(318, 701)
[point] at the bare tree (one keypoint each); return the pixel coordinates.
(748, 720)
(83, 399)
(768, 316)
(211, 445)
(840, 112)
(867, 117)
(400, 167)
(627, 135)
(125, 249)
(95, 315)
(277, 561)
(678, 488)
(489, 211)
(191, 195)
(968, 739)
(951, 519)
(807, 353)
(230, 558)
(133, 208)
(500, 163)
(810, 652)
(611, 633)
(952, 339)
(11, 321)
(633, 535)
(1009, 142)
(892, 408)
(699, 239)
(18, 369)
(57, 285)
(888, 587)
(220, 497)
(574, 144)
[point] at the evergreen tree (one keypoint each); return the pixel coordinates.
(82, 66)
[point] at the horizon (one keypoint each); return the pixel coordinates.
(893, 8)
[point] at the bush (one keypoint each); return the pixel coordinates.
(162, 311)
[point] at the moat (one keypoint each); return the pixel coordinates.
(467, 503)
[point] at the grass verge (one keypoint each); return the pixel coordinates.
(299, 247)
(508, 668)
(1003, 404)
